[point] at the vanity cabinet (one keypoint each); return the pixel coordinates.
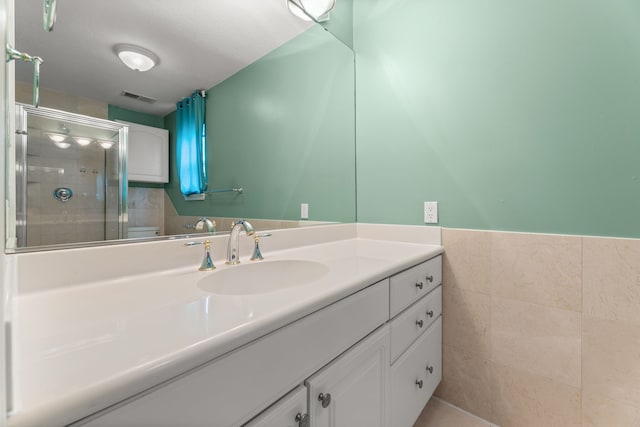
(233, 388)
(147, 154)
(361, 361)
(416, 340)
(290, 411)
(353, 389)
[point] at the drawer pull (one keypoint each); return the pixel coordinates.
(430, 313)
(419, 323)
(429, 279)
(325, 399)
(419, 383)
(302, 420)
(419, 285)
(430, 369)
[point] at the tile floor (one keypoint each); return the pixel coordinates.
(439, 413)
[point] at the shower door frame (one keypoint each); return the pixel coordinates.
(23, 111)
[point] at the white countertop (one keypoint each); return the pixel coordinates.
(80, 349)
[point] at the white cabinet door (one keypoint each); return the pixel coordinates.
(352, 390)
(290, 411)
(148, 153)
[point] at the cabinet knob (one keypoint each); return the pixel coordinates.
(419, 285)
(325, 399)
(429, 279)
(419, 323)
(419, 383)
(430, 313)
(302, 420)
(430, 369)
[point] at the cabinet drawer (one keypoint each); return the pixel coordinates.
(283, 413)
(412, 381)
(410, 324)
(412, 284)
(234, 388)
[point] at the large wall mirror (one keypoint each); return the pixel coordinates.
(279, 111)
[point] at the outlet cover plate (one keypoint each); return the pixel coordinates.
(430, 212)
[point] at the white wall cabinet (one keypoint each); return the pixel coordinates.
(148, 153)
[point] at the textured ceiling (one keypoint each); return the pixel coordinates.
(199, 42)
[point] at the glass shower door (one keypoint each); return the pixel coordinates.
(69, 178)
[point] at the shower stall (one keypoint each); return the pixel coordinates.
(70, 178)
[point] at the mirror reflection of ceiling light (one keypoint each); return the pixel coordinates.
(318, 9)
(135, 57)
(56, 137)
(105, 144)
(81, 140)
(62, 144)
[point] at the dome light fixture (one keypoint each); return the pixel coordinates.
(62, 144)
(135, 57)
(81, 140)
(106, 144)
(56, 137)
(308, 10)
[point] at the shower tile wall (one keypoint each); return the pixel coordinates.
(542, 329)
(62, 101)
(146, 207)
(80, 219)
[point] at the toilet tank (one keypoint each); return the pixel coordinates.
(134, 232)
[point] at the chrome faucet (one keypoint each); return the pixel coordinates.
(233, 248)
(206, 222)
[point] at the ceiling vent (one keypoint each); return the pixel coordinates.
(138, 97)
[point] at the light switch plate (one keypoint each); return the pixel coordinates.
(304, 211)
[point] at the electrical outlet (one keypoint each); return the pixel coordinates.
(430, 212)
(304, 211)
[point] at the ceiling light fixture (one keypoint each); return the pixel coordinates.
(309, 10)
(56, 137)
(63, 145)
(81, 140)
(105, 143)
(135, 57)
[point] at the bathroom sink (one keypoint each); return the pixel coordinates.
(262, 277)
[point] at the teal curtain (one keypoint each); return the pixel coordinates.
(191, 144)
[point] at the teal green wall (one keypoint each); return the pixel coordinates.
(340, 23)
(118, 113)
(514, 115)
(283, 129)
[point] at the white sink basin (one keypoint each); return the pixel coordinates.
(262, 277)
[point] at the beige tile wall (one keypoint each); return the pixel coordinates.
(542, 330)
(62, 101)
(145, 207)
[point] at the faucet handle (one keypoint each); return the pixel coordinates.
(257, 254)
(209, 223)
(207, 263)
